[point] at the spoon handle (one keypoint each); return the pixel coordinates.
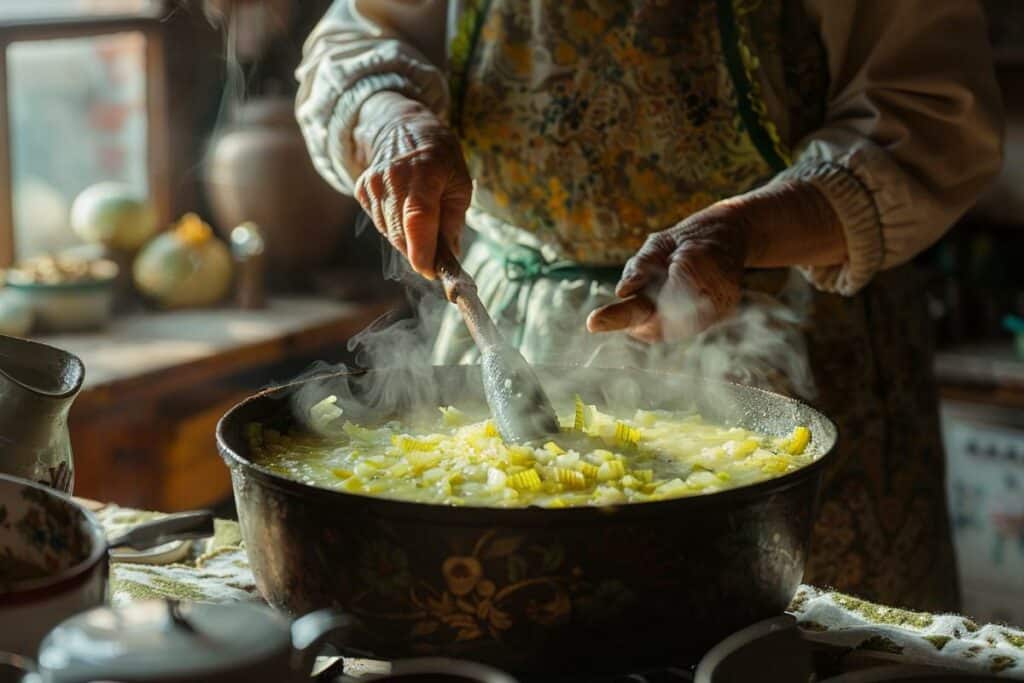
(182, 525)
(460, 289)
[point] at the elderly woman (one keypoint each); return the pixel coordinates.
(644, 167)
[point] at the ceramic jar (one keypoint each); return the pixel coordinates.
(259, 170)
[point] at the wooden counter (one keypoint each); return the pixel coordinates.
(143, 427)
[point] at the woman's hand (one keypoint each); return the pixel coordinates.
(681, 281)
(415, 185)
(686, 278)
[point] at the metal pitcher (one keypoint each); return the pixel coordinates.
(38, 383)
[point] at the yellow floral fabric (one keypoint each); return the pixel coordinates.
(592, 123)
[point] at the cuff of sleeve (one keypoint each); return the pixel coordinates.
(341, 146)
(862, 226)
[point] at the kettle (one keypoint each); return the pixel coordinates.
(160, 641)
(38, 383)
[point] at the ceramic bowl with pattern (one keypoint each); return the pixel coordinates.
(53, 562)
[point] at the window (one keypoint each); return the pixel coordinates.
(81, 101)
(21, 10)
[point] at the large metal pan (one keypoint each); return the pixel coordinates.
(530, 589)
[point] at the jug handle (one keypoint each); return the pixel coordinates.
(311, 632)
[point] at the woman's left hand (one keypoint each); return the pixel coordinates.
(681, 281)
(687, 278)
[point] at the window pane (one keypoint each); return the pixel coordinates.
(78, 116)
(20, 10)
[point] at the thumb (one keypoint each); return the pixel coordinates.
(631, 312)
(420, 223)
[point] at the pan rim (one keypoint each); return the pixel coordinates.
(476, 515)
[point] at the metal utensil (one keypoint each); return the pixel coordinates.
(177, 527)
(522, 411)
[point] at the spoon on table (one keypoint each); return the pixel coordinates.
(521, 410)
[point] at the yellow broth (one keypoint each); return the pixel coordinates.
(453, 458)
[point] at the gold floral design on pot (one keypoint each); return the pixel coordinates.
(505, 583)
(462, 574)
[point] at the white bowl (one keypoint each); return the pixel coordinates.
(67, 307)
(66, 544)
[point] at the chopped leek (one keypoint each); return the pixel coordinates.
(798, 440)
(456, 457)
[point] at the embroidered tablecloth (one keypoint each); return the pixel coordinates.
(217, 570)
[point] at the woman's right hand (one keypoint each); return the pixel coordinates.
(415, 185)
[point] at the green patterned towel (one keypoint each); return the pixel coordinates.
(946, 640)
(216, 570)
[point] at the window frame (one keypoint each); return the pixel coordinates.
(150, 25)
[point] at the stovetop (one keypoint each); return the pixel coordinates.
(339, 674)
(773, 651)
(671, 675)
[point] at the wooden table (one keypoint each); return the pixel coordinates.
(143, 427)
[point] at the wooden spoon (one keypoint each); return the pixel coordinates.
(522, 411)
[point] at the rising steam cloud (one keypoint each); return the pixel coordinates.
(762, 344)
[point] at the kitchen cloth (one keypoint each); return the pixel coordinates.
(217, 571)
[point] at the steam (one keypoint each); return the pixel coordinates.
(762, 345)
(396, 347)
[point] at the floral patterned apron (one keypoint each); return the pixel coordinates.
(589, 124)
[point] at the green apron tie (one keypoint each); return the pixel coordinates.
(524, 265)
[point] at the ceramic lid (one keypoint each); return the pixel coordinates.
(163, 640)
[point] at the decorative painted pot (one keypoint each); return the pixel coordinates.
(532, 590)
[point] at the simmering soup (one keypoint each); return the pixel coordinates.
(454, 458)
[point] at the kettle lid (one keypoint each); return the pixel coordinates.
(158, 640)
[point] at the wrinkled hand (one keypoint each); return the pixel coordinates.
(416, 187)
(681, 281)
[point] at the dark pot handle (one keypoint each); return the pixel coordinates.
(312, 632)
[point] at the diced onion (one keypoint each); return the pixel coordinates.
(455, 459)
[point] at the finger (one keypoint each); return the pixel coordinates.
(391, 232)
(391, 209)
(369, 187)
(420, 222)
(630, 313)
(647, 265)
(369, 192)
